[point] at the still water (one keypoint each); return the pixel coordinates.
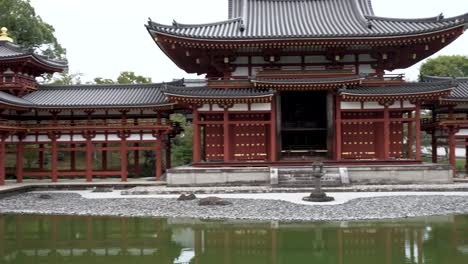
(73, 239)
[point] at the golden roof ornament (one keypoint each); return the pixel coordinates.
(4, 35)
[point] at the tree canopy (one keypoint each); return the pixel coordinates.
(28, 29)
(126, 77)
(446, 66)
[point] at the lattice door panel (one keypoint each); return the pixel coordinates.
(358, 140)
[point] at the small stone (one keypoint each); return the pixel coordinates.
(102, 189)
(45, 196)
(189, 197)
(209, 201)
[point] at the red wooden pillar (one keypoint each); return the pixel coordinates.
(158, 162)
(73, 158)
(273, 146)
(338, 126)
(136, 160)
(434, 146)
(410, 137)
(89, 155)
(19, 158)
(452, 153)
(104, 157)
(466, 158)
(196, 136)
(386, 133)
(168, 154)
(123, 135)
(54, 162)
(418, 131)
(2, 158)
(41, 157)
(227, 135)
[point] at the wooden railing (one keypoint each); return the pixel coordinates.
(92, 124)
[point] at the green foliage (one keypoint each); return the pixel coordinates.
(28, 29)
(65, 78)
(126, 77)
(182, 145)
(446, 66)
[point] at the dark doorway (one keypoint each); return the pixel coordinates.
(304, 124)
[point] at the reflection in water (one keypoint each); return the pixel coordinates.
(73, 239)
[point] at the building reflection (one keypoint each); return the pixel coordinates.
(59, 239)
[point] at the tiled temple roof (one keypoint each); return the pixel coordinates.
(402, 89)
(283, 19)
(93, 96)
(9, 99)
(205, 92)
(9, 50)
(306, 80)
(460, 93)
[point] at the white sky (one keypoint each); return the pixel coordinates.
(105, 37)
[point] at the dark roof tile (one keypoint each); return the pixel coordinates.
(272, 19)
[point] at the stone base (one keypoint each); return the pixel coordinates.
(356, 174)
(318, 198)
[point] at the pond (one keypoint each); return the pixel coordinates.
(83, 239)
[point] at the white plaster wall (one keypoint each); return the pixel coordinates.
(316, 59)
(366, 68)
(462, 132)
(241, 71)
(290, 59)
(260, 107)
(217, 108)
(241, 60)
(205, 107)
(372, 105)
(239, 107)
(350, 105)
(407, 104)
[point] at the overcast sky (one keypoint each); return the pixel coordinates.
(105, 37)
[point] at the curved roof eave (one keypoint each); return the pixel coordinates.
(362, 37)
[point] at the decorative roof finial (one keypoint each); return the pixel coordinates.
(4, 35)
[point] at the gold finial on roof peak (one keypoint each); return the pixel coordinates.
(4, 35)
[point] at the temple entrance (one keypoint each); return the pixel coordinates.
(304, 126)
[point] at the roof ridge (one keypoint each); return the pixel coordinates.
(176, 24)
(438, 18)
(101, 86)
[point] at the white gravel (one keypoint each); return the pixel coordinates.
(251, 206)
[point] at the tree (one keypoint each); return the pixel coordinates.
(28, 29)
(64, 78)
(126, 77)
(446, 66)
(182, 145)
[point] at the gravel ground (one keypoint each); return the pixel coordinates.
(251, 209)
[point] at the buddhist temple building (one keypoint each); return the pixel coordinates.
(288, 82)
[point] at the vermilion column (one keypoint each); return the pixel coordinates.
(158, 158)
(386, 133)
(466, 156)
(19, 159)
(54, 158)
(410, 137)
(418, 131)
(227, 134)
(89, 156)
(273, 146)
(104, 157)
(434, 146)
(123, 157)
(452, 154)
(338, 125)
(168, 154)
(196, 136)
(136, 160)
(2, 159)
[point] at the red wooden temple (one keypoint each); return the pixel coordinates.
(287, 83)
